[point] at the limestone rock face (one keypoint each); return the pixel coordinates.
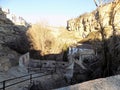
(12, 39)
(3, 19)
(89, 22)
(101, 29)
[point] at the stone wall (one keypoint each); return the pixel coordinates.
(86, 62)
(64, 68)
(81, 51)
(24, 60)
(46, 65)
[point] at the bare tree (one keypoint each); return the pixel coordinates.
(115, 38)
(101, 2)
(106, 54)
(40, 38)
(96, 3)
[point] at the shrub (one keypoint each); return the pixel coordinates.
(40, 38)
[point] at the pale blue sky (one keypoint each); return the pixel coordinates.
(55, 12)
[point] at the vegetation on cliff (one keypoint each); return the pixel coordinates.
(101, 28)
(50, 42)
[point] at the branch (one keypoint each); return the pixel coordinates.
(95, 3)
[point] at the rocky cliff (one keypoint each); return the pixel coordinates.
(101, 28)
(12, 38)
(103, 16)
(3, 19)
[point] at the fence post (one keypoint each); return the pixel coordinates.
(3, 85)
(28, 68)
(30, 78)
(40, 65)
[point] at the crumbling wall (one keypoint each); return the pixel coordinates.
(24, 60)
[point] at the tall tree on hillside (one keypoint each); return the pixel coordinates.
(106, 54)
(115, 39)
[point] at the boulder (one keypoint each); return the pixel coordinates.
(5, 64)
(109, 83)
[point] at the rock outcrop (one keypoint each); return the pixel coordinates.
(17, 20)
(12, 37)
(3, 19)
(90, 22)
(101, 29)
(109, 83)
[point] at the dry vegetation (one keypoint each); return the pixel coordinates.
(50, 40)
(40, 38)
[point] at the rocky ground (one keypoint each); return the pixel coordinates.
(11, 38)
(47, 82)
(12, 73)
(13, 43)
(109, 83)
(55, 81)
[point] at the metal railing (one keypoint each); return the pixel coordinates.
(28, 77)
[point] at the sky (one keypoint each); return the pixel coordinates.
(52, 12)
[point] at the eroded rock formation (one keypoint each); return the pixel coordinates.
(12, 39)
(101, 29)
(89, 22)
